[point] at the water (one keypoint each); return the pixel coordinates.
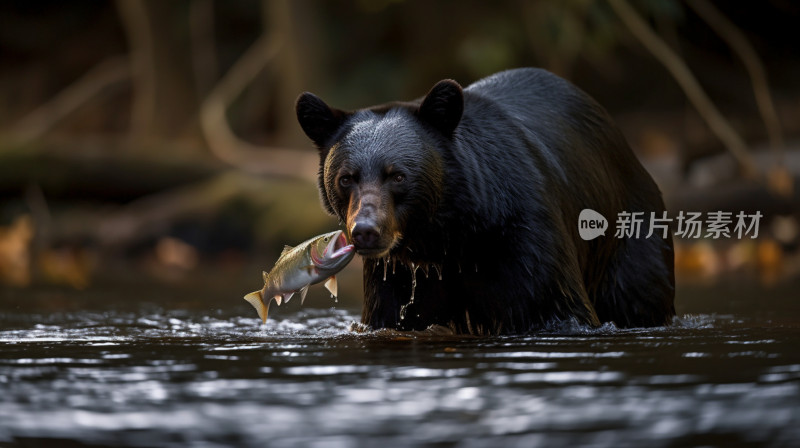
(207, 377)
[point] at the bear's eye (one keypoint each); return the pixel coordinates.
(345, 181)
(399, 177)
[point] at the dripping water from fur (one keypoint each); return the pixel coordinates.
(404, 308)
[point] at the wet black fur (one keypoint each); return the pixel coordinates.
(496, 177)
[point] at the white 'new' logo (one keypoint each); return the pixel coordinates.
(591, 224)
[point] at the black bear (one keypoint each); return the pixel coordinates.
(464, 205)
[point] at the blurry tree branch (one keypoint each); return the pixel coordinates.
(100, 79)
(557, 33)
(675, 65)
(779, 179)
(164, 103)
(282, 17)
(741, 46)
(221, 139)
(153, 214)
(204, 54)
(138, 28)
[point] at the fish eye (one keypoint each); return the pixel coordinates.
(326, 239)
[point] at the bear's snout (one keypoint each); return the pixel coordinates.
(365, 235)
(370, 220)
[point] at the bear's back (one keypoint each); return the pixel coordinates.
(568, 134)
(514, 88)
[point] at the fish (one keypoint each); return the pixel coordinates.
(310, 262)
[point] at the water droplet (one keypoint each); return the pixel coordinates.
(404, 308)
(413, 280)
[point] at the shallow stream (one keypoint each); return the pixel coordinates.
(155, 376)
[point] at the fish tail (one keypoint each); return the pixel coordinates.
(256, 299)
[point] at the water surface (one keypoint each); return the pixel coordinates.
(151, 376)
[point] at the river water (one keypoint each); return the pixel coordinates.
(164, 374)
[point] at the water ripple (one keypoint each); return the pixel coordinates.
(175, 378)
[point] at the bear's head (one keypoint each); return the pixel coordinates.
(382, 169)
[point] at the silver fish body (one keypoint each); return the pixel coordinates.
(310, 262)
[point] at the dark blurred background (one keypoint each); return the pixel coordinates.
(149, 149)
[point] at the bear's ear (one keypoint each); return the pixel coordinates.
(318, 120)
(443, 106)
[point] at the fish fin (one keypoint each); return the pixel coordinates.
(303, 293)
(331, 286)
(286, 248)
(264, 276)
(287, 296)
(254, 298)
